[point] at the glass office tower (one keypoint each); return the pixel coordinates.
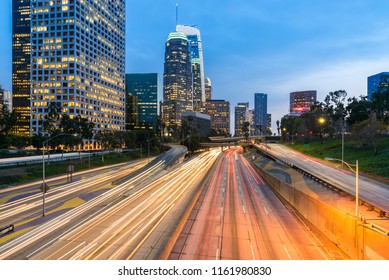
(177, 79)
(21, 50)
(260, 113)
(196, 54)
(144, 87)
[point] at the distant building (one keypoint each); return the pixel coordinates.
(208, 89)
(5, 99)
(374, 81)
(268, 126)
(197, 84)
(144, 87)
(241, 116)
(177, 79)
(219, 111)
(132, 113)
(21, 64)
(260, 113)
(252, 122)
(201, 123)
(302, 101)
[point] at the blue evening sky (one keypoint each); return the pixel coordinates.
(272, 46)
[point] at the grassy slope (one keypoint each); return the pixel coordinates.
(368, 162)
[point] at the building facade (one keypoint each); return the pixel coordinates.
(241, 116)
(252, 122)
(197, 84)
(78, 61)
(132, 114)
(208, 89)
(376, 80)
(21, 51)
(260, 113)
(301, 101)
(268, 125)
(177, 79)
(219, 111)
(199, 122)
(196, 55)
(5, 99)
(144, 89)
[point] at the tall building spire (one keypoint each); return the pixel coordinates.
(176, 14)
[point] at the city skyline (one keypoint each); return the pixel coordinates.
(258, 47)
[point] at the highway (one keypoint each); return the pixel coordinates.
(373, 192)
(238, 217)
(30, 202)
(132, 228)
(31, 240)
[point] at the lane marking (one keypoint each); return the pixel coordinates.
(252, 251)
(265, 210)
(88, 249)
(286, 250)
(72, 250)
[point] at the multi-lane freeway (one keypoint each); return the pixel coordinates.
(236, 216)
(120, 223)
(239, 217)
(373, 192)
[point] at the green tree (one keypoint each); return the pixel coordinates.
(7, 120)
(335, 111)
(358, 110)
(366, 132)
(52, 120)
(106, 140)
(246, 130)
(20, 142)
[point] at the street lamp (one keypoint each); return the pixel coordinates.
(321, 121)
(356, 180)
(148, 150)
(44, 187)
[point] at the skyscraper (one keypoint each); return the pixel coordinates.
(78, 61)
(145, 88)
(197, 97)
(219, 111)
(196, 55)
(21, 50)
(376, 80)
(177, 79)
(301, 101)
(260, 113)
(241, 116)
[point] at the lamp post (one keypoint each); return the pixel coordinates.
(148, 150)
(356, 171)
(44, 187)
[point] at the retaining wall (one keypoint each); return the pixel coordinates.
(356, 238)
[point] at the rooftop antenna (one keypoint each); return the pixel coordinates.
(176, 14)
